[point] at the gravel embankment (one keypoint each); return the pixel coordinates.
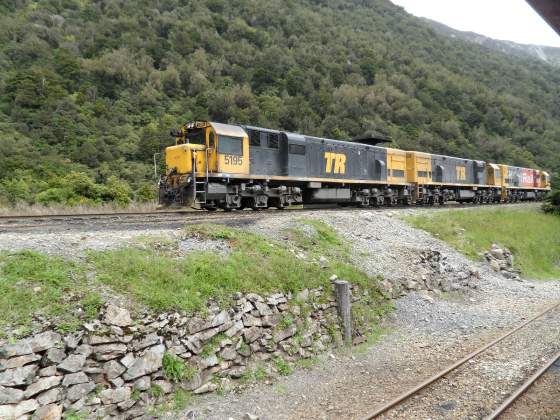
(427, 331)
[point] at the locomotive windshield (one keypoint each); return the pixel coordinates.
(197, 136)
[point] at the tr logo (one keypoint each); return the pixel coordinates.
(336, 162)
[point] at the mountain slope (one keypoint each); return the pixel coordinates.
(94, 86)
(550, 55)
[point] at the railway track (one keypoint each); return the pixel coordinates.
(176, 217)
(403, 405)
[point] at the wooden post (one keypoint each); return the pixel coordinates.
(342, 292)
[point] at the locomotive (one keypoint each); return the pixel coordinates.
(224, 166)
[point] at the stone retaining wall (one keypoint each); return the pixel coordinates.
(116, 365)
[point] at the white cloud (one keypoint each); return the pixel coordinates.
(512, 20)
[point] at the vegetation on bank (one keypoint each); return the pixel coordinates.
(530, 235)
(157, 275)
(89, 90)
(153, 275)
(35, 286)
(552, 202)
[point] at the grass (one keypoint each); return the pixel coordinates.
(35, 284)
(156, 277)
(532, 236)
(161, 281)
(282, 366)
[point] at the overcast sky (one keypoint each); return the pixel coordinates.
(513, 20)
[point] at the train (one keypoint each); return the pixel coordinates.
(232, 167)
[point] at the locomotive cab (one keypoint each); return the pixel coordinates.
(202, 150)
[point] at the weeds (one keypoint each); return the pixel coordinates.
(174, 368)
(282, 366)
(531, 235)
(32, 283)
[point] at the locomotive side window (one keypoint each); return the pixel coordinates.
(423, 174)
(273, 140)
(255, 138)
(230, 145)
(296, 149)
(398, 173)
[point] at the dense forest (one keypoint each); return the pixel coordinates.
(89, 89)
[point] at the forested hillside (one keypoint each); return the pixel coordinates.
(90, 89)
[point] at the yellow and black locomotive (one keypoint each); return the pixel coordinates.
(214, 165)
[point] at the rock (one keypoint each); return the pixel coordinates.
(238, 326)
(117, 382)
(228, 353)
(42, 385)
(251, 321)
(95, 340)
(263, 309)
(115, 396)
(237, 372)
(113, 369)
(107, 352)
(24, 407)
(276, 299)
(303, 295)
(246, 307)
(19, 376)
(411, 285)
(149, 363)
(208, 387)
(48, 412)
(72, 340)
(84, 349)
(497, 253)
(117, 316)
(16, 362)
(75, 378)
(48, 371)
(142, 384)
(147, 341)
(53, 356)
(249, 416)
(194, 344)
(251, 334)
(193, 383)
(7, 411)
(209, 361)
(72, 363)
(197, 324)
(165, 386)
(36, 344)
(10, 395)
(76, 392)
(285, 333)
(128, 360)
(253, 297)
(495, 265)
(50, 396)
(271, 320)
(220, 319)
(427, 297)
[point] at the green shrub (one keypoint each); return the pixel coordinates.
(174, 367)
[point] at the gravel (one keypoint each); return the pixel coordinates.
(427, 331)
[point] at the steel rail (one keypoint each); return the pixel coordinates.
(524, 387)
(391, 404)
(201, 212)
